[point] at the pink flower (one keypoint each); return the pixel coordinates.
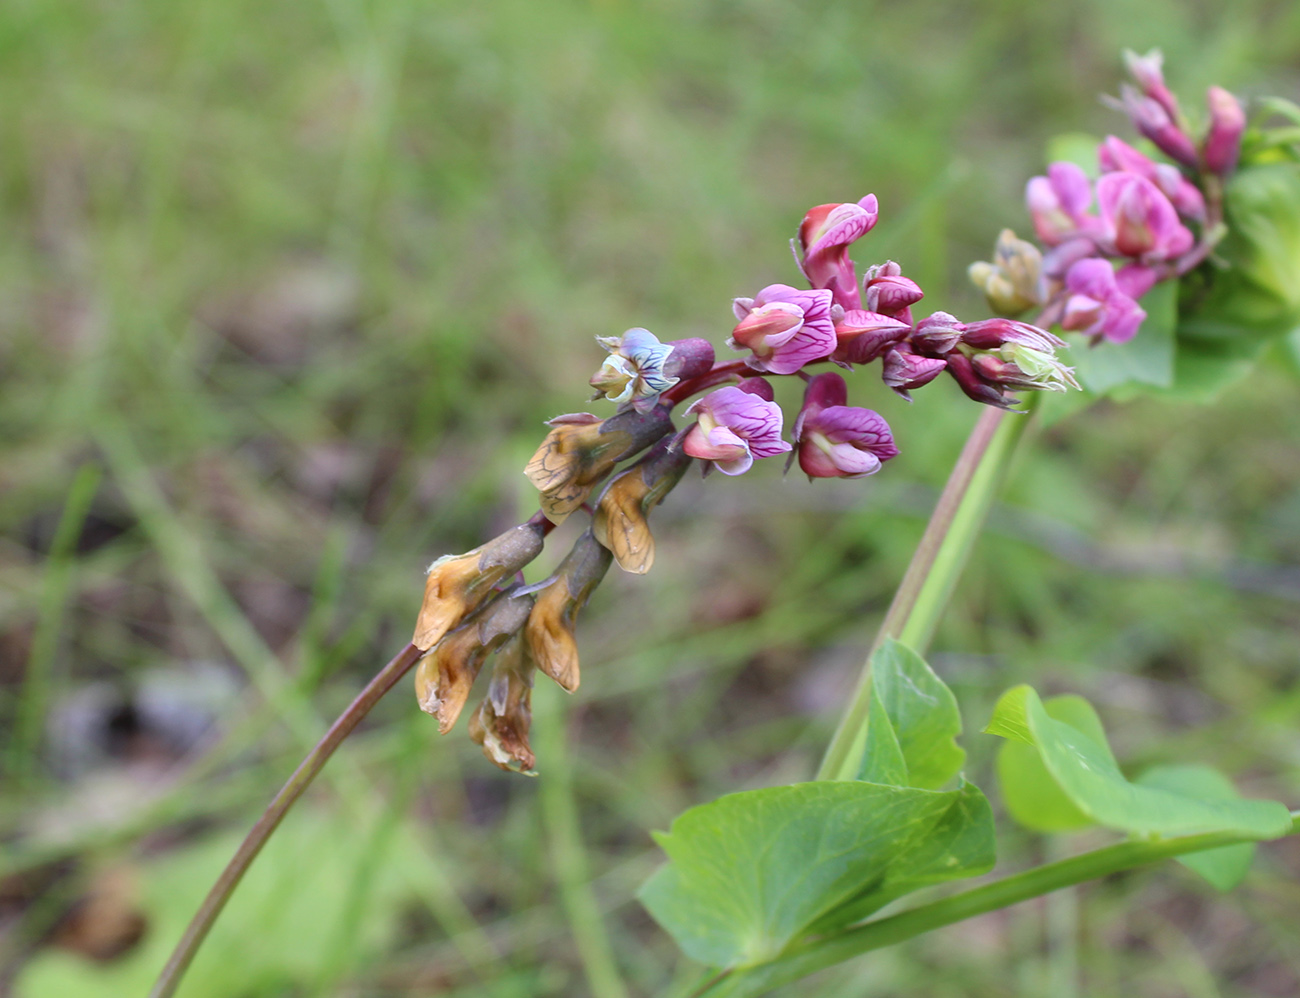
(887, 291)
(824, 239)
(784, 327)
(1097, 306)
(1148, 71)
(1155, 121)
(836, 440)
(864, 336)
(1138, 220)
(1116, 155)
(1227, 122)
(903, 370)
(1058, 203)
(734, 427)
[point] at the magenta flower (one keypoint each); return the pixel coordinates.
(1153, 120)
(1097, 306)
(1148, 71)
(863, 336)
(836, 440)
(1058, 203)
(1227, 122)
(784, 327)
(903, 370)
(823, 252)
(733, 428)
(1138, 220)
(937, 334)
(887, 291)
(1116, 155)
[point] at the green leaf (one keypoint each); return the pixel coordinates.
(751, 872)
(1029, 792)
(1086, 772)
(1123, 370)
(913, 722)
(1227, 867)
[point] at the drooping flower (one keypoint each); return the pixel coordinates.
(447, 671)
(1011, 282)
(634, 370)
(734, 427)
(581, 449)
(784, 327)
(1138, 220)
(1097, 306)
(824, 238)
(501, 722)
(1223, 141)
(1058, 203)
(1116, 155)
(457, 584)
(620, 522)
(835, 440)
(550, 629)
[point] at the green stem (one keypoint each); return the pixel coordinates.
(935, 568)
(197, 931)
(830, 950)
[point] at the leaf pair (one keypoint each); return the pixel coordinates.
(754, 872)
(1058, 774)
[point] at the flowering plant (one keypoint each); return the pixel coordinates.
(1189, 259)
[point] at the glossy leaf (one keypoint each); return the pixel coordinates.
(752, 872)
(1029, 792)
(1086, 772)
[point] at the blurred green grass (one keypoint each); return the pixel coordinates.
(301, 281)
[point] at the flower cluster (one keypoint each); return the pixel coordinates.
(1108, 241)
(1105, 243)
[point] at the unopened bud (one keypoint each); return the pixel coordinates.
(457, 584)
(447, 671)
(903, 370)
(550, 627)
(937, 334)
(1227, 122)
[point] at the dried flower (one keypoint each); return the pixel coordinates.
(734, 427)
(1007, 354)
(620, 522)
(549, 633)
(447, 671)
(457, 584)
(784, 327)
(501, 722)
(581, 449)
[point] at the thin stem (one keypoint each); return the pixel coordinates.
(830, 950)
(199, 926)
(935, 567)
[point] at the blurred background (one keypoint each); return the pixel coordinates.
(286, 291)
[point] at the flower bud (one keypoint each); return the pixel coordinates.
(936, 334)
(501, 722)
(1011, 283)
(447, 671)
(903, 370)
(1158, 124)
(620, 522)
(1227, 122)
(549, 633)
(1148, 72)
(457, 584)
(691, 358)
(975, 387)
(887, 291)
(581, 449)
(863, 336)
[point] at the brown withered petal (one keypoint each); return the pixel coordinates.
(447, 671)
(459, 583)
(501, 722)
(579, 451)
(620, 522)
(550, 626)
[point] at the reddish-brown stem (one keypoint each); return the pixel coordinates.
(199, 926)
(724, 371)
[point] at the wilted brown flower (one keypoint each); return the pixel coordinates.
(459, 583)
(501, 722)
(447, 671)
(550, 626)
(581, 449)
(620, 520)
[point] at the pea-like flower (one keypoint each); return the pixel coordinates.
(903, 369)
(1155, 121)
(457, 584)
(634, 370)
(550, 629)
(1138, 220)
(1223, 141)
(1058, 203)
(1097, 306)
(863, 336)
(887, 291)
(824, 238)
(733, 428)
(621, 519)
(836, 440)
(1116, 155)
(784, 327)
